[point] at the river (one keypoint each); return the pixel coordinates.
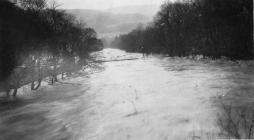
(147, 98)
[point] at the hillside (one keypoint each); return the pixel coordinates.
(147, 10)
(117, 20)
(106, 23)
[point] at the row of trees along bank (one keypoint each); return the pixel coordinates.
(212, 28)
(37, 40)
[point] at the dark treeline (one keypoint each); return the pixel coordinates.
(38, 40)
(212, 28)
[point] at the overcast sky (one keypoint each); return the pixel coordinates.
(104, 4)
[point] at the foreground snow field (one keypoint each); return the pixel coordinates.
(151, 98)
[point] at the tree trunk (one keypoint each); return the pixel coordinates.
(54, 76)
(12, 92)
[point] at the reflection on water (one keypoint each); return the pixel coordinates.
(148, 98)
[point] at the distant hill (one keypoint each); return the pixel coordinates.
(117, 20)
(147, 10)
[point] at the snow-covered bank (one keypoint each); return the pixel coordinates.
(152, 98)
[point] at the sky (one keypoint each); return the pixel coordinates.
(104, 4)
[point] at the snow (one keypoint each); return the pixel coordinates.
(152, 98)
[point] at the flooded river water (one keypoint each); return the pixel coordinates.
(149, 98)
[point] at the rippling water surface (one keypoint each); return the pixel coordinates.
(150, 98)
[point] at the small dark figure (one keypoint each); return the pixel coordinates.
(142, 50)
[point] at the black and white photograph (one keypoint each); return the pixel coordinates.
(126, 70)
